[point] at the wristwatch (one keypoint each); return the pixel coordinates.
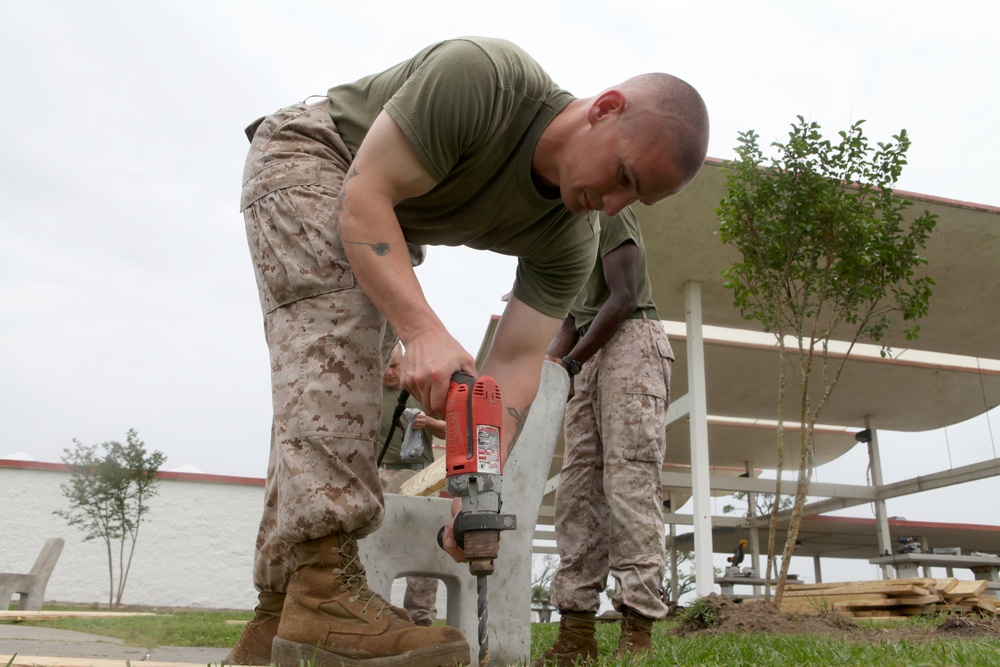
(573, 367)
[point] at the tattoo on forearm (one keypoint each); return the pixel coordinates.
(519, 419)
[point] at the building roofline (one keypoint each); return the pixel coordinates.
(162, 474)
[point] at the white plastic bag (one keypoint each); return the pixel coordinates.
(412, 449)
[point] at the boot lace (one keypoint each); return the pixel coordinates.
(628, 640)
(355, 579)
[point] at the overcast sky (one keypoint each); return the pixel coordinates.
(129, 299)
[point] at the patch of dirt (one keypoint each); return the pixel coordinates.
(969, 627)
(759, 616)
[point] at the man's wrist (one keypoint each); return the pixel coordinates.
(573, 367)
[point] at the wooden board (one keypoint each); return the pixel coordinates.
(886, 589)
(18, 615)
(968, 588)
(980, 603)
(919, 599)
(946, 585)
(888, 615)
(43, 661)
(890, 597)
(856, 597)
(427, 481)
(819, 604)
(922, 582)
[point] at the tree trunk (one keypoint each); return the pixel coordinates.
(111, 574)
(801, 491)
(773, 525)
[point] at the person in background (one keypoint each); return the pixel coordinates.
(609, 510)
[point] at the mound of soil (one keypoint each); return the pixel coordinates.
(760, 616)
(970, 626)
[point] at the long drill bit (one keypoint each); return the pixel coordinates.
(484, 648)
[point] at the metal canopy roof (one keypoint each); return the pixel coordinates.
(906, 393)
(743, 382)
(963, 256)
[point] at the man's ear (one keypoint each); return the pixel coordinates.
(609, 102)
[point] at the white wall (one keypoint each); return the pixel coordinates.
(195, 547)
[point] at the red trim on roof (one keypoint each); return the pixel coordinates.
(163, 474)
(905, 194)
(898, 523)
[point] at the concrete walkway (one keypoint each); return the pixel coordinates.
(65, 648)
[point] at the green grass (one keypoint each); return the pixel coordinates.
(209, 628)
(767, 650)
(166, 628)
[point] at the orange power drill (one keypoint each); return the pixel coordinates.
(473, 417)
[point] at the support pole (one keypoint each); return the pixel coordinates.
(881, 518)
(754, 532)
(675, 594)
(700, 488)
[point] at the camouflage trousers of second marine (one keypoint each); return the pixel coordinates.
(328, 343)
(609, 509)
(420, 599)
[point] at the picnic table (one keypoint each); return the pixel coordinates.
(728, 584)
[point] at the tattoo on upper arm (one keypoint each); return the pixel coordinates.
(519, 419)
(380, 249)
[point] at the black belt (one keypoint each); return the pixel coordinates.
(637, 314)
(405, 466)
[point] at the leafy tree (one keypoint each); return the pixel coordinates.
(685, 575)
(763, 504)
(826, 252)
(541, 585)
(108, 498)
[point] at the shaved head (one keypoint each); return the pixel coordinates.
(641, 141)
(667, 113)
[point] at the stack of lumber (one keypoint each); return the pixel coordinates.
(889, 597)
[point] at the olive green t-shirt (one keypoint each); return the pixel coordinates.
(615, 231)
(473, 109)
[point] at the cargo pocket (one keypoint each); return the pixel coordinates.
(644, 414)
(290, 229)
(664, 348)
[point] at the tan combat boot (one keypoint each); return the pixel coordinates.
(254, 645)
(636, 638)
(331, 618)
(575, 644)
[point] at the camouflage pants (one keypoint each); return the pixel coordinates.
(328, 343)
(609, 509)
(420, 599)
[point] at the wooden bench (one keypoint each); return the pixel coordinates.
(31, 587)
(391, 552)
(544, 612)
